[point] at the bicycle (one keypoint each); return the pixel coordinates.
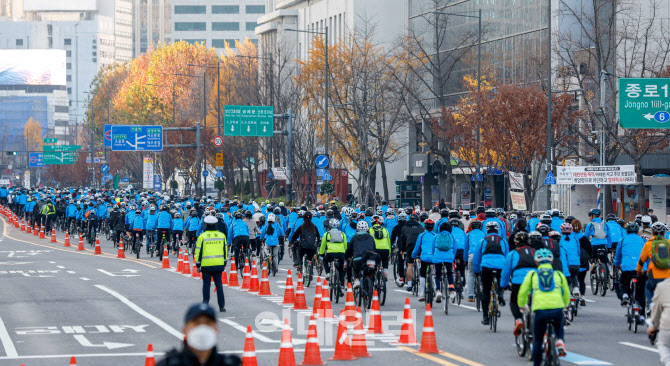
(269, 260)
(524, 341)
(429, 294)
(458, 283)
(598, 276)
(367, 285)
(334, 281)
(633, 308)
(444, 282)
(137, 245)
(163, 242)
(380, 285)
(395, 256)
(478, 292)
(416, 276)
(307, 270)
(494, 307)
(549, 346)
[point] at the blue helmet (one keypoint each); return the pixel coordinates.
(544, 256)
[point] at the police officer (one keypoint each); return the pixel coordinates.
(211, 252)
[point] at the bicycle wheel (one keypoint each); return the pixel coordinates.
(416, 276)
(635, 323)
(367, 292)
(137, 247)
(571, 314)
(520, 343)
(594, 282)
(444, 281)
(307, 277)
(381, 291)
(108, 234)
(603, 282)
(397, 279)
(478, 298)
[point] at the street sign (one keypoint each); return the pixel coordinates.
(137, 138)
(125, 180)
(50, 140)
(279, 173)
(219, 174)
(243, 120)
(205, 173)
(322, 161)
(218, 141)
(478, 177)
(550, 179)
(68, 148)
(35, 160)
(157, 182)
(326, 175)
(95, 160)
(107, 134)
(219, 161)
(644, 103)
(320, 172)
(59, 158)
(104, 168)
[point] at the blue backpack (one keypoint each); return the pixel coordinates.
(444, 242)
(545, 278)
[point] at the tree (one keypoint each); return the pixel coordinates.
(32, 133)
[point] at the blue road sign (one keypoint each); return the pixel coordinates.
(219, 174)
(53, 181)
(35, 160)
(104, 168)
(137, 138)
(157, 182)
(320, 172)
(125, 180)
(478, 177)
(550, 179)
(326, 175)
(205, 173)
(269, 174)
(107, 135)
(322, 161)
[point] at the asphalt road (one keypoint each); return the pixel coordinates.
(57, 302)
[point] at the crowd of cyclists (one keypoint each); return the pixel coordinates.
(439, 255)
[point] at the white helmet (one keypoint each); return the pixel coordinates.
(362, 226)
(646, 219)
(271, 217)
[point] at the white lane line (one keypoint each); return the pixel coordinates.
(651, 349)
(84, 279)
(142, 312)
(61, 267)
(7, 341)
(243, 329)
(468, 307)
(52, 262)
(71, 272)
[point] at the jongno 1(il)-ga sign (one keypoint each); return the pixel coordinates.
(612, 174)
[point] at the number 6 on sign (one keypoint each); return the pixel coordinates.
(218, 141)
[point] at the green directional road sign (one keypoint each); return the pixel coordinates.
(243, 120)
(61, 147)
(59, 158)
(50, 140)
(644, 103)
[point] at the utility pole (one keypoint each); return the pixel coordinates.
(603, 137)
(91, 145)
(289, 156)
(549, 137)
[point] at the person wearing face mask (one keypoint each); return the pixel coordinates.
(199, 347)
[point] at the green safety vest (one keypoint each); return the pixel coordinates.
(385, 242)
(331, 246)
(211, 249)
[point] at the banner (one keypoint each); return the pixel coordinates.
(613, 174)
(518, 200)
(465, 195)
(516, 181)
(148, 173)
(26, 179)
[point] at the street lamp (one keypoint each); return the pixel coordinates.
(325, 33)
(204, 118)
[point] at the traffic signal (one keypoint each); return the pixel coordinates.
(11, 153)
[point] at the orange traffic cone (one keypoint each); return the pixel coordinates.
(150, 359)
(407, 334)
(233, 281)
(246, 275)
(254, 286)
(428, 340)
(342, 346)
(11, 219)
(187, 268)
(53, 235)
(265, 282)
(249, 353)
(23, 224)
(289, 294)
(317, 297)
(81, 243)
(28, 231)
(326, 308)
(194, 272)
(349, 306)
(286, 355)
(300, 301)
(224, 278)
(312, 350)
(97, 245)
(122, 252)
(166, 259)
(180, 262)
(16, 222)
(73, 361)
(375, 323)
(66, 243)
(42, 232)
(359, 346)
(36, 231)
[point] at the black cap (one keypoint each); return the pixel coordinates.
(199, 309)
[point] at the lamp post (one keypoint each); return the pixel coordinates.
(325, 34)
(204, 118)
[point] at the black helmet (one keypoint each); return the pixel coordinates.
(277, 211)
(444, 212)
(413, 217)
(330, 213)
(621, 222)
(535, 236)
(369, 212)
(632, 227)
(423, 216)
(543, 229)
(476, 224)
(480, 209)
(238, 215)
(521, 238)
(454, 214)
(248, 213)
(435, 209)
(569, 219)
(611, 216)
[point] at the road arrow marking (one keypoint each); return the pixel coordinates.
(649, 116)
(118, 274)
(110, 345)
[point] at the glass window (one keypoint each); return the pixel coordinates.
(68, 53)
(255, 9)
(190, 9)
(190, 26)
(220, 43)
(19, 42)
(251, 26)
(194, 41)
(254, 41)
(225, 26)
(67, 41)
(68, 77)
(68, 66)
(225, 9)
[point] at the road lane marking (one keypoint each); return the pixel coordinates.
(243, 329)
(651, 349)
(460, 359)
(84, 279)
(110, 345)
(71, 272)
(583, 360)
(427, 356)
(7, 343)
(144, 313)
(61, 267)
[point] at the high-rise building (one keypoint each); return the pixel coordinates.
(215, 22)
(151, 24)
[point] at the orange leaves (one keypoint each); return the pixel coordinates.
(32, 132)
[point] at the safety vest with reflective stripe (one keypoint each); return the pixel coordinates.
(214, 249)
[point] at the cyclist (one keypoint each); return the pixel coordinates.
(391, 221)
(137, 226)
(480, 216)
(658, 269)
(518, 263)
(444, 217)
(308, 235)
(455, 215)
(178, 230)
(70, 214)
(466, 219)
(491, 217)
(436, 214)
(49, 211)
(617, 232)
(645, 226)
(601, 238)
(489, 256)
(533, 222)
(443, 256)
(191, 226)
(333, 246)
(151, 219)
(626, 258)
(271, 233)
(360, 248)
(118, 224)
(253, 230)
(472, 239)
(91, 218)
(556, 221)
(239, 232)
(459, 243)
(163, 225)
(382, 241)
(570, 244)
(407, 239)
(550, 295)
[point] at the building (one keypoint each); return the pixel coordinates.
(215, 22)
(151, 25)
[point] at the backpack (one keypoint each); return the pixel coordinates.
(545, 279)
(308, 239)
(660, 253)
(335, 236)
(444, 242)
(599, 230)
(378, 232)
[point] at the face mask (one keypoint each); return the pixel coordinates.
(201, 338)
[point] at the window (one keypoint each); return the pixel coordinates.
(219, 43)
(190, 9)
(19, 42)
(69, 90)
(67, 41)
(68, 78)
(95, 59)
(190, 26)
(225, 26)
(251, 26)
(68, 53)
(225, 9)
(194, 41)
(254, 41)
(61, 109)
(68, 66)
(255, 9)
